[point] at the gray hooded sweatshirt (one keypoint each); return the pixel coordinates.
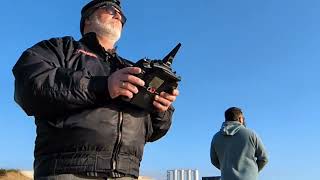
(238, 152)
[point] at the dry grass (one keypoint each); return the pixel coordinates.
(12, 175)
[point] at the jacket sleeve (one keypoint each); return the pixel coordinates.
(260, 154)
(214, 155)
(161, 122)
(45, 86)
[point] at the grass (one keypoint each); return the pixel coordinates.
(3, 172)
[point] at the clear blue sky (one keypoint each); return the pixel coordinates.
(262, 56)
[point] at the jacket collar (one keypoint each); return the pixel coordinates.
(91, 41)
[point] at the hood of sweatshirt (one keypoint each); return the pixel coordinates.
(230, 128)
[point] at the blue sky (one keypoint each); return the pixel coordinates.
(262, 56)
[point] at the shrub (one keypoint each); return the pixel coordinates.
(3, 172)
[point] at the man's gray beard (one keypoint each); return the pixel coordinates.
(105, 29)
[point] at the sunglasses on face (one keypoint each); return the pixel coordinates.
(114, 11)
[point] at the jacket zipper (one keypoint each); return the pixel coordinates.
(118, 143)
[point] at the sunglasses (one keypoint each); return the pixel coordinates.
(114, 11)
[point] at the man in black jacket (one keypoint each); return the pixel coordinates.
(74, 89)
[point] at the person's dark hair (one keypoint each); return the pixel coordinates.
(89, 8)
(232, 114)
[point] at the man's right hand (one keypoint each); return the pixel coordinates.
(124, 83)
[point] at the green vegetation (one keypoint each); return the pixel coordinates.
(3, 172)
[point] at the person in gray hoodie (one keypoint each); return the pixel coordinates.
(236, 150)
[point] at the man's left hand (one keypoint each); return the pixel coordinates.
(164, 101)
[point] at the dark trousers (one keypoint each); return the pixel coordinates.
(79, 177)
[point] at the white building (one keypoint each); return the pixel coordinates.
(182, 174)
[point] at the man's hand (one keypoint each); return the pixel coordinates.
(164, 101)
(124, 83)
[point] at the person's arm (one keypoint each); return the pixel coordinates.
(45, 86)
(161, 122)
(214, 155)
(261, 154)
(161, 119)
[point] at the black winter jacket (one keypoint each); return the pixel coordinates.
(80, 129)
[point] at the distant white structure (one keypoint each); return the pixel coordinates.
(183, 174)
